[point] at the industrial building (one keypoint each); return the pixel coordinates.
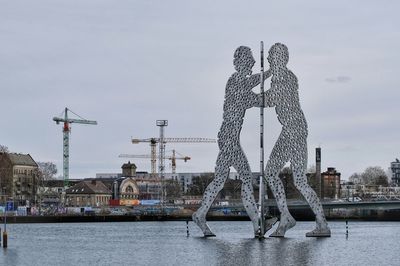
(331, 183)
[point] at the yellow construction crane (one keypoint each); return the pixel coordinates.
(153, 143)
(173, 159)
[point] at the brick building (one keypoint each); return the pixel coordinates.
(330, 183)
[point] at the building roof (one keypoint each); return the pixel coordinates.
(89, 187)
(21, 159)
(129, 165)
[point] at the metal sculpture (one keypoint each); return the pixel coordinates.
(238, 98)
(291, 145)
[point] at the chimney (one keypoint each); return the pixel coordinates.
(319, 181)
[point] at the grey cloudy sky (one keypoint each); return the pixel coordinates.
(127, 63)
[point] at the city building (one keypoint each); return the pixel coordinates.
(349, 190)
(118, 175)
(395, 171)
(108, 175)
(18, 178)
(49, 192)
(330, 184)
(87, 193)
(129, 190)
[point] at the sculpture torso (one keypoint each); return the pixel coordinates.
(238, 97)
(284, 96)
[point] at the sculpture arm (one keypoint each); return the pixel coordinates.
(255, 79)
(269, 99)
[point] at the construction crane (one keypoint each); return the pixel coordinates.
(173, 158)
(153, 146)
(66, 132)
(161, 155)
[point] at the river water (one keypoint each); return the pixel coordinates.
(166, 243)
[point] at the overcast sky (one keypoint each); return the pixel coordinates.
(128, 63)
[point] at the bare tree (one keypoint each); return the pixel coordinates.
(47, 170)
(4, 149)
(374, 175)
(355, 179)
(173, 189)
(199, 184)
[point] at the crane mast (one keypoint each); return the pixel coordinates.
(161, 154)
(161, 147)
(66, 131)
(173, 162)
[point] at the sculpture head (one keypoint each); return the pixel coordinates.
(243, 60)
(278, 56)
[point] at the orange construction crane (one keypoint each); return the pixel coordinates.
(153, 143)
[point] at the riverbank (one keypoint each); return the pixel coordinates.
(298, 214)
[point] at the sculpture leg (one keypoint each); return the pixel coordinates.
(212, 190)
(243, 168)
(278, 158)
(300, 182)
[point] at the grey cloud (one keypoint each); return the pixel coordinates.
(338, 79)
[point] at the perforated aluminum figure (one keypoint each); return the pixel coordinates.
(238, 98)
(291, 145)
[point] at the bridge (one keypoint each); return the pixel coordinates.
(365, 205)
(298, 204)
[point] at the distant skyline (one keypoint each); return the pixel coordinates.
(126, 64)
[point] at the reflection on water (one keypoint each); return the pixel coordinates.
(277, 251)
(165, 243)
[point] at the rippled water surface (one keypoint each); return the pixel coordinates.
(166, 243)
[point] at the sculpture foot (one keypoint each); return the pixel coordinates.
(201, 222)
(319, 232)
(269, 223)
(210, 234)
(267, 226)
(257, 234)
(285, 224)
